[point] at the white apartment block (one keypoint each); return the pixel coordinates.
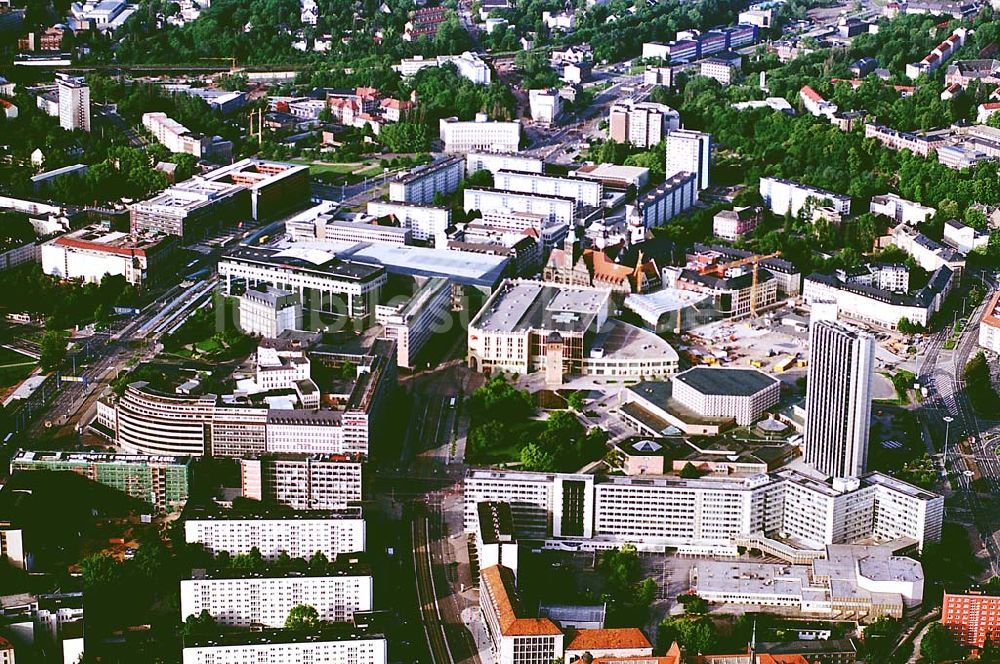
(689, 152)
(643, 124)
(585, 192)
(425, 222)
(174, 136)
(545, 105)
(901, 210)
(938, 55)
(269, 313)
(267, 600)
(421, 184)
(493, 162)
(965, 238)
(286, 646)
(74, 103)
(815, 104)
(782, 196)
(299, 536)
(929, 254)
(989, 326)
(668, 199)
(412, 323)
(554, 209)
(480, 135)
(303, 482)
(468, 64)
(707, 515)
(742, 394)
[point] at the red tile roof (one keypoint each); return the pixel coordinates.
(811, 94)
(627, 638)
(499, 581)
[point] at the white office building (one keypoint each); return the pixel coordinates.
(689, 152)
(480, 135)
(783, 196)
(545, 105)
(304, 481)
(838, 399)
(268, 313)
(74, 103)
(266, 600)
(300, 535)
(710, 515)
(412, 322)
(425, 222)
(330, 644)
(422, 183)
(586, 193)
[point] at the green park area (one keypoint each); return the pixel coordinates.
(14, 367)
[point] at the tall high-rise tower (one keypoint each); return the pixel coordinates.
(689, 151)
(838, 399)
(74, 103)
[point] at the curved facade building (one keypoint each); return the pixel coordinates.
(150, 422)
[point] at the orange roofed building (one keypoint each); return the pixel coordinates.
(516, 638)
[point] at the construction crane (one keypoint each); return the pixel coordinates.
(754, 261)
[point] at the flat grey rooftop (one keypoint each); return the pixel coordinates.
(725, 381)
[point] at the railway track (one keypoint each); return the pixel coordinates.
(430, 612)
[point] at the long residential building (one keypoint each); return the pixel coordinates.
(782, 512)
(326, 284)
(902, 140)
(876, 306)
(677, 193)
(412, 323)
(331, 644)
(493, 162)
(299, 534)
(256, 599)
(783, 196)
(421, 184)
(901, 210)
(554, 208)
(304, 481)
(929, 254)
(938, 55)
(480, 135)
(585, 192)
(177, 138)
(149, 421)
(425, 222)
(161, 481)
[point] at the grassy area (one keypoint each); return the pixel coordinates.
(950, 344)
(329, 167)
(8, 356)
(520, 435)
(12, 374)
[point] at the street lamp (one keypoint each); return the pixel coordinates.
(948, 419)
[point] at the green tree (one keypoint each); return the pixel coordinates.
(690, 471)
(199, 624)
(693, 604)
(302, 617)
(100, 571)
(938, 644)
(979, 387)
(576, 401)
(53, 349)
(534, 458)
